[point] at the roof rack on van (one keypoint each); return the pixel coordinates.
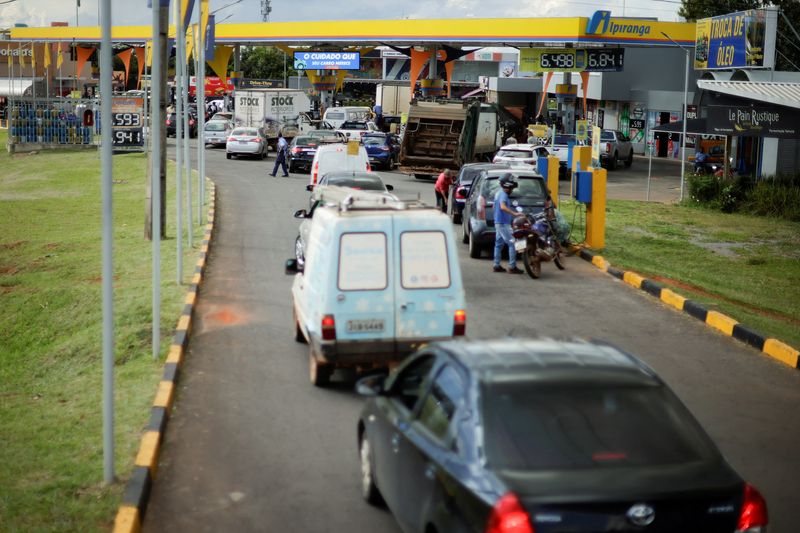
(347, 199)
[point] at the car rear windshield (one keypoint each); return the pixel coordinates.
(334, 116)
(306, 140)
(245, 131)
(215, 126)
(606, 136)
(603, 426)
(365, 183)
(354, 126)
(515, 154)
(373, 141)
(527, 187)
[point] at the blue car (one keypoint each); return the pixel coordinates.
(382, 150)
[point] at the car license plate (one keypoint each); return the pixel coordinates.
(242, 142)
(365, 326)
(520, 245)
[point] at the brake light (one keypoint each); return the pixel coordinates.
(460, 193)
(169, 122)
(481, 208)
(328, 328)
(508, 516)
(753, 517)
(232, 139)
(369, 169)
(296, 150)
(314, 174)
(459, 323)
(608, 148)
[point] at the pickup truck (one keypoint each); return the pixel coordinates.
(615, 146)
(355, 130)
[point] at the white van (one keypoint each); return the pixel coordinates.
(381, 277)
(330, 157)
(336, 116)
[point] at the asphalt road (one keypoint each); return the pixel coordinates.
(252, 446)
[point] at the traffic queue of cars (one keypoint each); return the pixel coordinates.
(508, 435)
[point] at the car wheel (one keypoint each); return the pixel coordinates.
(612, 163)
(298, 332)
(369, 491)
(228, 155)
(629, 161)
(319, 373)
(474, 249)
(464, 234)
(292, 170)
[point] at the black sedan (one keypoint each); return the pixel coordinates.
(461, 185)
(543, 436)
(304, 146)
(172, 124)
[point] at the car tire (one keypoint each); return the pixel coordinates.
(629, 160)
(228, 156)
(292, 170)
(474, 249)
(298, 332)
(612, 163)
(319, 373)
(464, 234)
(263, 154)
(369, 490)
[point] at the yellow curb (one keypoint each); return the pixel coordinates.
(600, 263)
(721, 322)
(148, 451)
(672, 298)
(185, 322)
(175, 354)
(127, 520)
(197, 277)
(633, 279)
(191, 298)
(164, 395)
(204, 249)
(782, 352)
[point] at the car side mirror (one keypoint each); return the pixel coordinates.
(389, 187)
(301, 213)
(371, 385)
(309, 187)
(292, 267)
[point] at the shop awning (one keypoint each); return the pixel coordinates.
(695, 126)
(780, 93)
(14, 87)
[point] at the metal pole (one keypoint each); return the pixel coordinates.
(201, 164)
(178, 152)
(155, 178)
(650, 163)
(107, 244)
(146, 88)
(683, 136)
(184, 95)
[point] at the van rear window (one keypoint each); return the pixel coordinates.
(423, 260)
(334, 116)
(362, 262)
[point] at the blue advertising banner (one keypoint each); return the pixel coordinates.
(745, 39)
(327, 60)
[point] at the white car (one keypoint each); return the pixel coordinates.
(217, 132)
(520, 155)
(246, 141)
(337, 156)
(355, 130)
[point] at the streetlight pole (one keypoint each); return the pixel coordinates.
(685, 96)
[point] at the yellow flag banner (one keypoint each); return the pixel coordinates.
(222, 54)
(203, 23)
(139, 64)
(148, 52)
(47, 55)
(83, 56)
(340, 76)
(125, 56)
(21, 57)
(60, 55)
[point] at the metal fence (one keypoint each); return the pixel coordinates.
(53, 122)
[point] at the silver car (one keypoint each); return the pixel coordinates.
(217, 132)
(246, 141)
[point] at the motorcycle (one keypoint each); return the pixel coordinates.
(535, 238)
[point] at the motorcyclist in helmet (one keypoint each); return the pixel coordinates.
(503, 215)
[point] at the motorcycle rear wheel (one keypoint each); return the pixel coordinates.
(533, 266)
(559, 261)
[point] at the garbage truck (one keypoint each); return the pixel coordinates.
(442, 134)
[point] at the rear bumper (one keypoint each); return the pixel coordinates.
(243, 149)
(366, 352)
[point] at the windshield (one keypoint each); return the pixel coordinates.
(215, 126)
(579, 427)
(354, 126)
(305, 140)
(515, 154)
(357, 182)
(528, 187)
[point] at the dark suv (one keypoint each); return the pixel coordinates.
(478, 215)
(172, 125)
(460, 189)
(546, 436)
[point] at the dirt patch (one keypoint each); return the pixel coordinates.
(52, 245)
(702, 292)
(9, 270)
(725, 249)
(11, 245)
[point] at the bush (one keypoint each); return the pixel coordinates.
(778, 196)
(725, 194)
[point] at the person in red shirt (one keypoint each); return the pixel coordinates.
(442, 188)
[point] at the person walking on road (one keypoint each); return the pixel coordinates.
(503, 215)
(442, 188)
(280, 158)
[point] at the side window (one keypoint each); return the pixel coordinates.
(440, 404)
(409, 385)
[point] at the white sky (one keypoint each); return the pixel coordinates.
(42, 12)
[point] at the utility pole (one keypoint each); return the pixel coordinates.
(161, 147)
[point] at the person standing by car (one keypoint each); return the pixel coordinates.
(700, 160)
(442, 188)
(280, 158)
(503, 215)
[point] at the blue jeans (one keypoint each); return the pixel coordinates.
(502, 236)
(280, 159)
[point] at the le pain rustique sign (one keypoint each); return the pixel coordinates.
(754, 121)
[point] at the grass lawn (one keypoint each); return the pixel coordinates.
(744, 266)
(51, 456)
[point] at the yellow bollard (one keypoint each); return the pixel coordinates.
(552, 177)
(580, 155)
(596, 211)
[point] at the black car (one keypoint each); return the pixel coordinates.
(478, 215)
(460, 189)
(172, 124)
(304, 146)
(543, 436)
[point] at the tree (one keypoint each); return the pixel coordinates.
(265, 63)
(787, 45)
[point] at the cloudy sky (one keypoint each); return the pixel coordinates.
(42, 12)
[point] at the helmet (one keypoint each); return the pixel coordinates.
(507, 181)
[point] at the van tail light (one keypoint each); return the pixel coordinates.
(459, 323)
(328, 328)
(481, 208)
(508, 516)
(314, 174)
(369, 168)
(753, 517)
(608, 148)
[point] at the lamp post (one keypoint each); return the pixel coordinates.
(685, 95)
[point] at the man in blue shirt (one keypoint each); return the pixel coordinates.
(503, 215)
(280, 159)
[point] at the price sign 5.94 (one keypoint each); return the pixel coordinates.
(126, 122)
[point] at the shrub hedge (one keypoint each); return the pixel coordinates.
(776, 196)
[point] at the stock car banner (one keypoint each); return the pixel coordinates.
(745, 39)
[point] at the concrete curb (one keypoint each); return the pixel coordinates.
(130, 514)
(772, 347)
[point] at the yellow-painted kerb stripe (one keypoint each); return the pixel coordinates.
(148, 451)
(191, 298)
(631, 278)
(164, 394)
(600, 263)
(197, 277)
(184, 322)
(127, 520)
(672, 298)
(175, 354)
(782, 352)
(721, 322)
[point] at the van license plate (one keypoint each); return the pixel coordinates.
(364, 326)
(520, 245)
